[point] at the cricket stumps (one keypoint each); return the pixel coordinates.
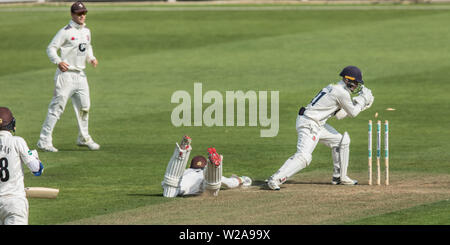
(378, 152)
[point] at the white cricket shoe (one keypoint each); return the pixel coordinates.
(90, 144)
(273, 184)
(46, 146)
(347, 181)
(246, 181)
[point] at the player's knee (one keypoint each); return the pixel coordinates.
(84, 114)
(303, 157)
(56, 107)
(345, 139)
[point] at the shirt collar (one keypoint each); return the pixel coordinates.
(4, 132)
(342, 83)
(76, 25)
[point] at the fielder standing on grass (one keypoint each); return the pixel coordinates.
(74, 41)
(333, 100)
(13, 152)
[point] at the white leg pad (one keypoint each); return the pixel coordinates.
(170, 191)
(336, 162)
(292, 166)
(176, 166)
(213, 178)
(344, 153)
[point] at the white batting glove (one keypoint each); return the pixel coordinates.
(360, 100)
(370, 103)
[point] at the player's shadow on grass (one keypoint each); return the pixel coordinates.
(158, 195)
(145, 195)
(293, 182)
(263, 184)
(72, 149)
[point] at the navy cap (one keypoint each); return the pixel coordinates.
(353, 73)
(78, 7)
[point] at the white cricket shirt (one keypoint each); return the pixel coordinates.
(192, 182)
(330, 100)
(13, 152)
(74, 41)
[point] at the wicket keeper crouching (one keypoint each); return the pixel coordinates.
(333, 100)
(202, 174)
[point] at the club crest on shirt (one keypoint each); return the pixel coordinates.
(82, 47)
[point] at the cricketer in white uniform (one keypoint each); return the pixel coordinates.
(193, 179)
(333, 100)
(13, 152)
(74, 41)
(202, 174)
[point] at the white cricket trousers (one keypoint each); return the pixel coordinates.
(74, 85)
(13, 210)
(309, 134)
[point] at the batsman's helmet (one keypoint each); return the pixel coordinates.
(352, 73)
(198, 162)
(7, 120)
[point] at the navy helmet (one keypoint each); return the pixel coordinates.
(352, 73)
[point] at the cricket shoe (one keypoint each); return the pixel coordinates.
(343, 181)
(214, 157)
(185, 142)
(273, 184)
(46, 146)
(336, 181)
(245, 181)
(90, 144)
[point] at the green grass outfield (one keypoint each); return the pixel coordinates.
(146, 53)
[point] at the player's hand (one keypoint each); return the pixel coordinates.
(94, 63)
(370, 103)
(359, 100)
(367, 95)
(364, 90)
(40, 171)
(63, 66)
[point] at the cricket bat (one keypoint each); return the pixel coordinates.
(41, 192)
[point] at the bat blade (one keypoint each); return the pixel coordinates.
(41, 192)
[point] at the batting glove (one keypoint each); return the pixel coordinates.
(41, 170)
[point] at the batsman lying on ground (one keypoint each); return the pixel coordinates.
(203, 174)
